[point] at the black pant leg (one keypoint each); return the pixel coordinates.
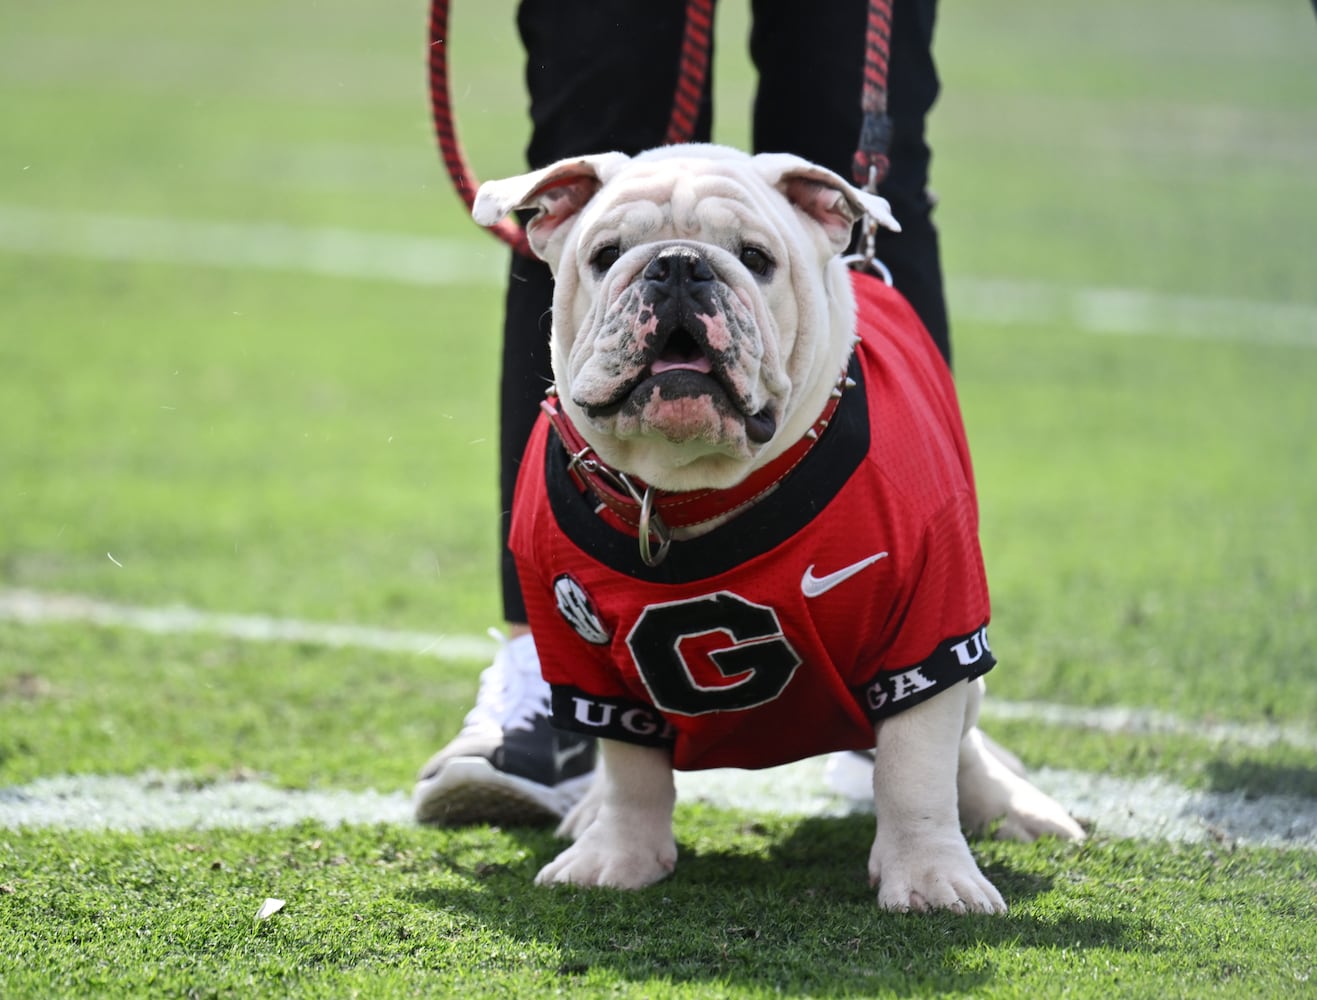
(810, 59)
(601, 76)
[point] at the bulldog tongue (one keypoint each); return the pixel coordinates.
(700, 363)
(679, 351)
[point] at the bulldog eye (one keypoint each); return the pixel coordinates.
(605, 257)
(756, 261)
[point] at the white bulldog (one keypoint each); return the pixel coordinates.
(704, 329)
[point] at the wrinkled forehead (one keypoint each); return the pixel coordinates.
(678, 197)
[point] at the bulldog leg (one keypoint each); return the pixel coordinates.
(1003, 755)
(623, 829)
(581, 815)
(920, 860)
(992, 788)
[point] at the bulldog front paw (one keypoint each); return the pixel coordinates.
(601, 858)
(921, 877)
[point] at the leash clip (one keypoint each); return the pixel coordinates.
(866, 261)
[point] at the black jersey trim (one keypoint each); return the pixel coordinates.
(799, 498)
(958, 659)
(625, 719)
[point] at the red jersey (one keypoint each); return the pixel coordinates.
(856, 590)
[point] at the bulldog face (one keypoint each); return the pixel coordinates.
(674, 348)
(701, 314)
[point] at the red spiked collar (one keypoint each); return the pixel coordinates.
(651, 513)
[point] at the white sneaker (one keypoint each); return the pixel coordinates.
(508, 766)
(849, 773)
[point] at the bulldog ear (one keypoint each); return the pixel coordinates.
(825, 197)
(556, 192)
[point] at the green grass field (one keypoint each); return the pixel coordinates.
(248, 345)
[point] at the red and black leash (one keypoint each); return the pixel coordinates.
(696, 43)
(441, 108)
(870, 163)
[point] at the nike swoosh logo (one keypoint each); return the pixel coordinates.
(813, 586)
(561, 757)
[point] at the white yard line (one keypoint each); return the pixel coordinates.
(35, 608)
(173, 800)
(426, 260)
(1140, 720)
(327, 251)
(1145, 808)
(1149, 808)
(38, 608)
(1131, 312)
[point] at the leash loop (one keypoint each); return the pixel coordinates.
(871, 160)
(871, 154)
(696, 43)
(445, 129)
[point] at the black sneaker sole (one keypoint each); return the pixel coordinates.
(469, 791)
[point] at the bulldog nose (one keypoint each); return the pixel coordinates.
(678, 267)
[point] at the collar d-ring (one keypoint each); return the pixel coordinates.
(651, 523)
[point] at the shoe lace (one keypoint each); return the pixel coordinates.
(512, 692)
